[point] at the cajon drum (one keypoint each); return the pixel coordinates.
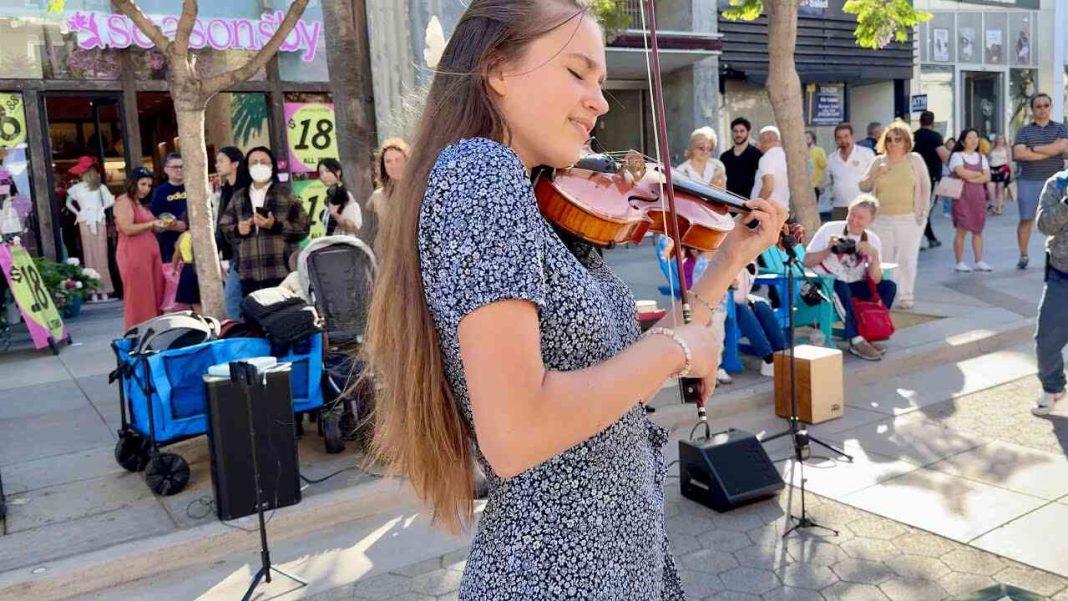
(820, 396)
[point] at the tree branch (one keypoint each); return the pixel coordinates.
(185, 29)
(217, 83)
(150, 29)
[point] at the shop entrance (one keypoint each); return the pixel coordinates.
(983, 102)
(85, 129)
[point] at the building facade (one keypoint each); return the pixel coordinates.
(980, 61)
(840, 81)
(87, 82)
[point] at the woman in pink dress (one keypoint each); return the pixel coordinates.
(969, 211)
(138, 253)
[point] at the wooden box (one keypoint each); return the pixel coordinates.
(820, 396)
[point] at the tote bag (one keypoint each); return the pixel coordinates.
(949, 187)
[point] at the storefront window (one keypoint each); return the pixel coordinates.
(937, 83)
(994, 38)
(969, 46)
(37, 44)
(1022, 85)
(18, 215)
(1022, 38)
(941, 40)
(308, 62)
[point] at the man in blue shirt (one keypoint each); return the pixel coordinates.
(1038, 150)
(170, 198)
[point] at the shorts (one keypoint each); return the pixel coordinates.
(1001, 174)
(1027, 194)
(188, 286)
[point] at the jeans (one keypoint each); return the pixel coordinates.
(1052, 332)
(887, 290)
(758, 323)
(232, 294)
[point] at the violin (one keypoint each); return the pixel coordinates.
(606, 203)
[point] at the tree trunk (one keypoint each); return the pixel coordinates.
(190, 113)
(348, 55)
(784, 90)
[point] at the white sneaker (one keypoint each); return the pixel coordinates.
(767, 369)
(1045, 403)
(982, 266)
(962, 267)
(723, 377)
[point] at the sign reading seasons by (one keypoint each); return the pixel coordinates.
(824, 104)
(12, 120)
(103, 30)
(1029, 4)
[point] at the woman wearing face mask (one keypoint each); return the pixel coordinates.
(491, 338)
(265, 222)
(342, 214)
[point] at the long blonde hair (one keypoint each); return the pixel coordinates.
(383, 180)
(417, 427)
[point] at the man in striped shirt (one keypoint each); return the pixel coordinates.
(1038, 150)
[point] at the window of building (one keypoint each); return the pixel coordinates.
(969, 45)
(15, 185)
(995, 40)
(308, 62)
(1021, 39)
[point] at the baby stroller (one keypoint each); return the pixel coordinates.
(337, 274)
(160, 366)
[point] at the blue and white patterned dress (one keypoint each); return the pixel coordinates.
(588, 523)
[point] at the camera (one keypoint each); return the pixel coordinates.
(844, 246)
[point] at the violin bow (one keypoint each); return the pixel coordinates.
(690, 387)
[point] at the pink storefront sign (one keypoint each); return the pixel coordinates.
(104, 30)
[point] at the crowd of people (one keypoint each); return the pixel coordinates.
(876, 197)
(260, 226)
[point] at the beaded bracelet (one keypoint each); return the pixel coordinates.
(712, 310)
(685, 371)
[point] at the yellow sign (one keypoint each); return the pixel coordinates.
(31, 296)
(311, 134)
(312, 194)
(12, 120)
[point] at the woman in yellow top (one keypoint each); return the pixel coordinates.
(188, 285)
(817, 161)
(898, 178)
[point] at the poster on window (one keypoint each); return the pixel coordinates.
(967, 45)
(12, 120)
(310, 133)
(941, 45)
(993, 47)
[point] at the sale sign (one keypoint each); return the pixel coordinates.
(311, 134)
(12, 120)
(312, 194)
(31, 296)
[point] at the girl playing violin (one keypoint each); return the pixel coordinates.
(527, 347)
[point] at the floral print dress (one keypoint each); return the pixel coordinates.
(589, 522)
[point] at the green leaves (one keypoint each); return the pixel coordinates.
(611, 14)
(744, 10)
(881, 21)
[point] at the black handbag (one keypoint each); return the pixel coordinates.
(283, 316)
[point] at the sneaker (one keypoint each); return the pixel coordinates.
(1022, 263)
(879, 347)
(903, 305)
(983, 266)
(865, 350)
(767, 369)
(1045, 403)
(962, 267)
(723, 377)
(934, 243)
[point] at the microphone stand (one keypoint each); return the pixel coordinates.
(799, 435)
(247, 376)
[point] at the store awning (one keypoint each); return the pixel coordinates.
(626, 54)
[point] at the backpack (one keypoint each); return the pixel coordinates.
(283, 316)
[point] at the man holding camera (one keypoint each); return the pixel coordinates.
(1052, 332)
(849, 252)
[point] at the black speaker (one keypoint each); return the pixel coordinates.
(726, 471)
(230, 446)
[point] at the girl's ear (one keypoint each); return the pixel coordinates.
(494, 76)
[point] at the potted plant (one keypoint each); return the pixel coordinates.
(68, 283)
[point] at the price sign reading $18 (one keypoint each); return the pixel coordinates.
(311, 134)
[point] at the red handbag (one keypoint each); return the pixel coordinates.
(873, 317)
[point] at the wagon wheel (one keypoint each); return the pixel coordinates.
(132, 451)
(167, 474)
